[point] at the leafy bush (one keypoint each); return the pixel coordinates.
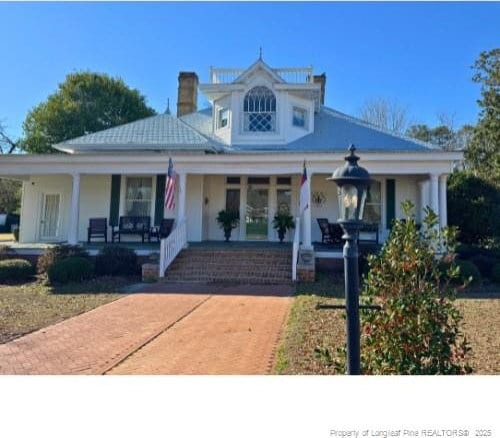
(468, 272)
(495, 274)
(116, 260)
(418, 329)
(70, 269)
(467, 252)
(59, 252)
(4, 252)
(485, 264)
(15, 270)
(473, 206)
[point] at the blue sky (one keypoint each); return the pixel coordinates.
(417, 53)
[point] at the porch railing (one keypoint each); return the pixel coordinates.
(295, 253)
(172, 245)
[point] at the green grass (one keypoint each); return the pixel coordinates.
(28, 307)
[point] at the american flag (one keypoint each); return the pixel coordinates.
(170, 186)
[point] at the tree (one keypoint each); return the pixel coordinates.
(483, 153)
(441, 135)
(7, 144)
(84, 103)
(10, 196)
(386, 114)
(474, 207)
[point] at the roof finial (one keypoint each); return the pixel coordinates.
(260, 53)
(167, 111)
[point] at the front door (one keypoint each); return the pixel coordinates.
(257, 213)
(49, 225)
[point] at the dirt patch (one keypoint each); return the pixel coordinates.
(28, 307)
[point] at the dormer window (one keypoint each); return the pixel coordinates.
(223, 118)
(299, 117)
(259, 110)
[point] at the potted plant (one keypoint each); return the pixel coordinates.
(282, 223)
(228, 220)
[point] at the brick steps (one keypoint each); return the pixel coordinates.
(242, 266)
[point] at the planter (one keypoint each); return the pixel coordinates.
(227, 235)
(150, 272)
(281, 235)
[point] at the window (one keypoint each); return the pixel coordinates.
(299, 117)
(223, 118)
(258, 180)
(259, 110)
(233, 180)
(373, 206)
(284, 198)
(138, 196)
(233, 200)
(284, 181)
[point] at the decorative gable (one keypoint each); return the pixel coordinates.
(262, 105)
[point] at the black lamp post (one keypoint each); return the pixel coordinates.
(352, 182)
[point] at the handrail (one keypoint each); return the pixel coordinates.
(300, 75)
(295, 253)
(171, 246)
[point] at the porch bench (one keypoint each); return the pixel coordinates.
(372, 230)
(139, 225)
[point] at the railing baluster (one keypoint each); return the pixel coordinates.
(172, 246)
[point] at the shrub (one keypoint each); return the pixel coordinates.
(485, 264)
(70, 269)
(59, 252)
(4, 252)
(15, 270)
(473, 206)
(418, 329)
(467, 252)
(116, 260)
(495, 274)
(468, 272)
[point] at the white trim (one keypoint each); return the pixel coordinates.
(41, 206)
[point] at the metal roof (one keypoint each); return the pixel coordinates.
(333, 131)
(159, 132)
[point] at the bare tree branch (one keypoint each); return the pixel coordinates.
(386, 114)
(7, 144)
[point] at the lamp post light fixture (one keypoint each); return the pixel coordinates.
(352, 181)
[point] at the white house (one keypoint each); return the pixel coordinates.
(246, 152)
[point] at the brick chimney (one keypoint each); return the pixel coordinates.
(321, 79)
(187, 95)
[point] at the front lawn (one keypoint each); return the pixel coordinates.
(31, 306)
(312, 334)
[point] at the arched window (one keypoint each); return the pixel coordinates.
(259, 109)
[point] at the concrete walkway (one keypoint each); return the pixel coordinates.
(232, 331)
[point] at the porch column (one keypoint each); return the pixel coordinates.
(434, 193)
(181, 212)
(423, 187)
(75, 210)
(443, 210)
(306, 220)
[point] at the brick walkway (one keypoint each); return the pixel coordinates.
(157, 333)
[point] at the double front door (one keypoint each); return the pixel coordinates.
(262, 202)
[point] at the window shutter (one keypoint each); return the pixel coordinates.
(160, 198)
(390, 191)
(114, 205)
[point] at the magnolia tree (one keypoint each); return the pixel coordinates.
(418, 328)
